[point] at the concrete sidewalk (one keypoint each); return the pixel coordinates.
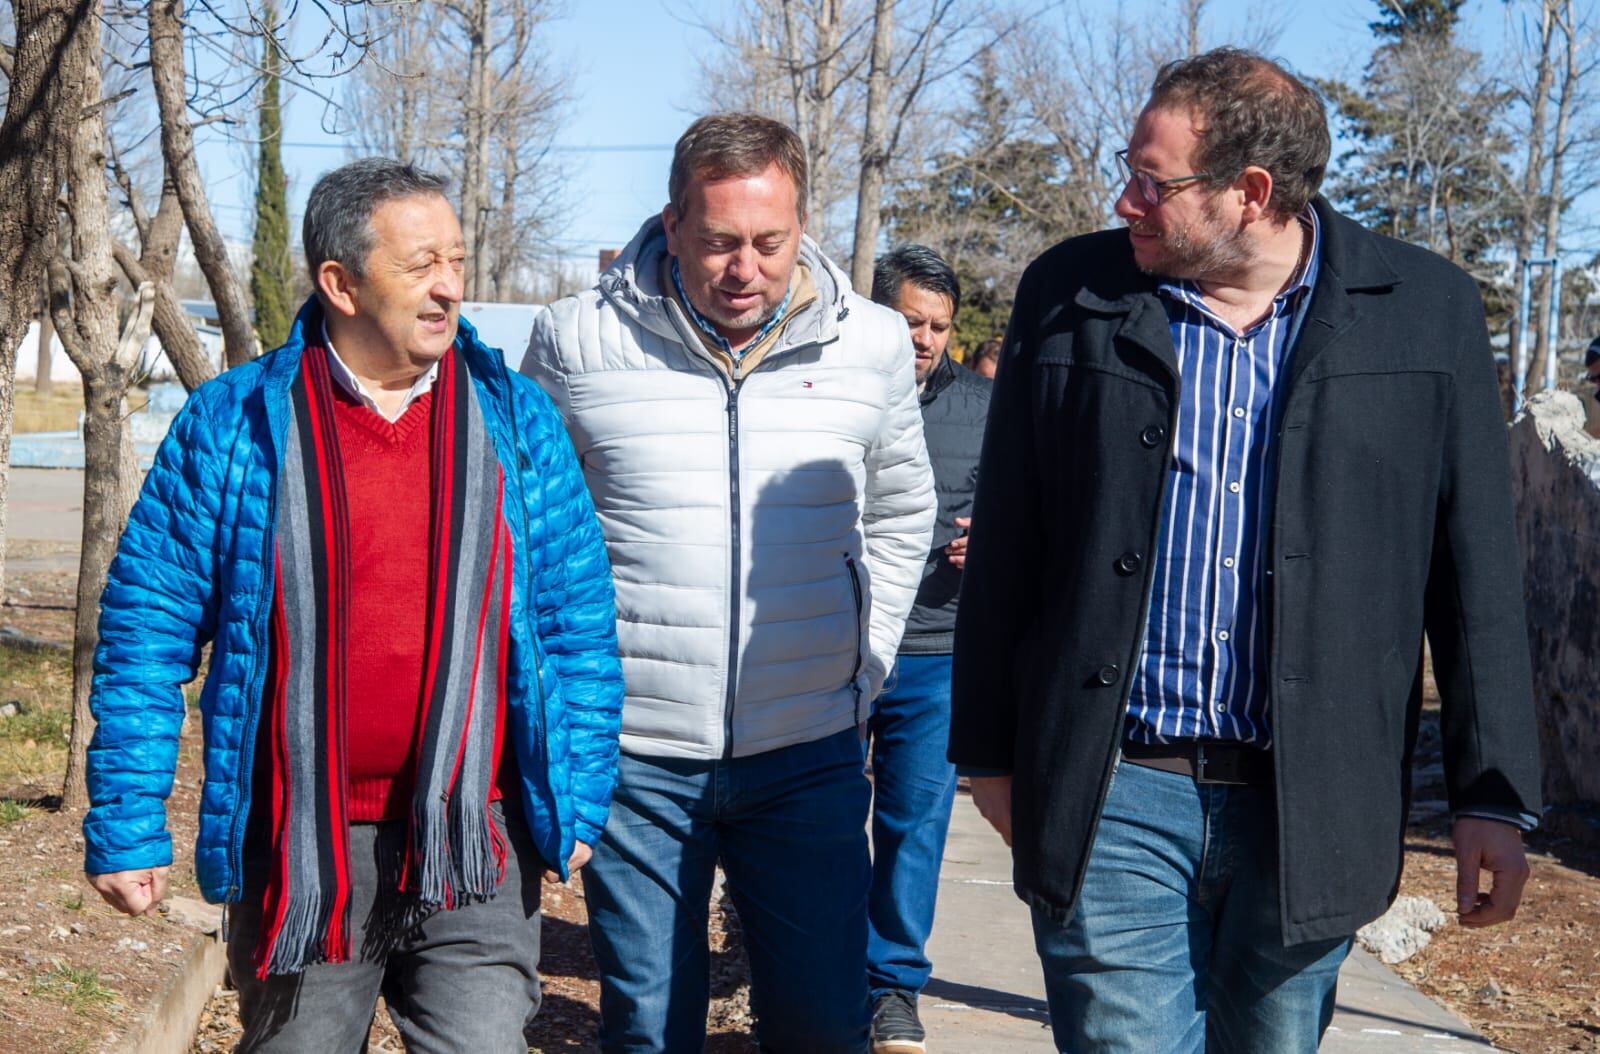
(987, 993)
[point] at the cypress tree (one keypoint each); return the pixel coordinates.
(270, 274)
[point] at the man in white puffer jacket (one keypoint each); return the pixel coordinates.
(749, 429)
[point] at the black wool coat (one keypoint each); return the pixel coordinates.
(955, 405)
(1392, 518)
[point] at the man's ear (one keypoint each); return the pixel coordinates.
(669, 223)
(1256, 182)
(338, 288)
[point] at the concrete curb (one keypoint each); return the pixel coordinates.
(167, 1026)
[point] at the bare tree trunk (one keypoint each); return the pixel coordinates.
(89, 334)
(53, 40)
(43, 383)
(474, 181)
(154, 265)
(1533, 170)
(1550, 336)
(1193, 10)
(874, 156)
(827, 84)
(177, 150)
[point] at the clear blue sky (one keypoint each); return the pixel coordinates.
(633, 86)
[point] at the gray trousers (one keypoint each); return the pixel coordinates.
(455, 981)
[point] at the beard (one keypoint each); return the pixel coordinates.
(1198, 250)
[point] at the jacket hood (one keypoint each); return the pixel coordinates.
(632, 284)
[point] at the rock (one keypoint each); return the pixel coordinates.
(12, 931)
(77, 928)
(12, 637)
(1491, 992)
(196, 914)
(1403, 931)
(11, 708)
(1556, 481)
(59, 933)
(133, 945)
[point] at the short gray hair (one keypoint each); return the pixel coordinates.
(338, 223)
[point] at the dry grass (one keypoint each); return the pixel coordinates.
(56, 412)
(33, 743)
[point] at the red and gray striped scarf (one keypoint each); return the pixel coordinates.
(453, 854)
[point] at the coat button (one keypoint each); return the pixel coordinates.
(1128, 563)
(1107, 675)
(1152, 436)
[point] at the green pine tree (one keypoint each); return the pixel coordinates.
(270, 272)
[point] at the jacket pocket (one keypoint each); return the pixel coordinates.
(858, 597)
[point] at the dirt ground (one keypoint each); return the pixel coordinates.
(1532, 986)
(72, 972)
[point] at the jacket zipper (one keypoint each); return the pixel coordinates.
(247, 746)
(855, 589)
(735, 582)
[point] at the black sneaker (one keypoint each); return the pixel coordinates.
(895, 1027)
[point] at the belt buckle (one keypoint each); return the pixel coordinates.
(1200, 763)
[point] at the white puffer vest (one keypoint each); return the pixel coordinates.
(767, 537)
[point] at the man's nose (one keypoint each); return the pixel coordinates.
(743, 265)
(449, 284)
(1130, 206)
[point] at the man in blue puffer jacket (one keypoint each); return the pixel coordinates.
(414, 695)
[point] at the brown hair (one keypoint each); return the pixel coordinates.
(1250, 111)
(735, 144)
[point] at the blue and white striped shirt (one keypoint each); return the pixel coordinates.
(1202, 671)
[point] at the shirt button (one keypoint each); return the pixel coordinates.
(1238, 411)
(1222, 634)
(1128, 563)
(1222, 708)
(1152, 436)
(1107, 676)
(1234, 487)
(1227, 561)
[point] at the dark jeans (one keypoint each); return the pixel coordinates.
(913, 788)
(1175, 946)
(461, 980)
(789, 828)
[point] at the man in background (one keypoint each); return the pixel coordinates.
(913, 784)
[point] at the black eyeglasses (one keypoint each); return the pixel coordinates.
(1151, 189)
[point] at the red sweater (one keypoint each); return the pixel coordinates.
(387, 480)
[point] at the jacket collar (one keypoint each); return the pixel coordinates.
(1353, 260)
(486, 366)
(942, 377)
(633, 285)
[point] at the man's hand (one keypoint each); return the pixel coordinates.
(580, 856)
(956, 551)
(1495, 847)
(992, 796)
(132, 892)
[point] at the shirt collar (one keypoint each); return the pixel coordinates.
(347, 380)
(1186, 290)
(702, 324)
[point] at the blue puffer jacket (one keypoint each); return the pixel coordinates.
(194, 565)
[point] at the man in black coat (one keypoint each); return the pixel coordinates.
(913, 784)
(1243, 456)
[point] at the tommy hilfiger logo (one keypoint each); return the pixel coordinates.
(807, 384)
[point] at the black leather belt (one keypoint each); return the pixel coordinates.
(1205, 761)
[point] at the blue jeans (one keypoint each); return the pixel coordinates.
(789, 828)
(1175, 945)
(913, 788)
